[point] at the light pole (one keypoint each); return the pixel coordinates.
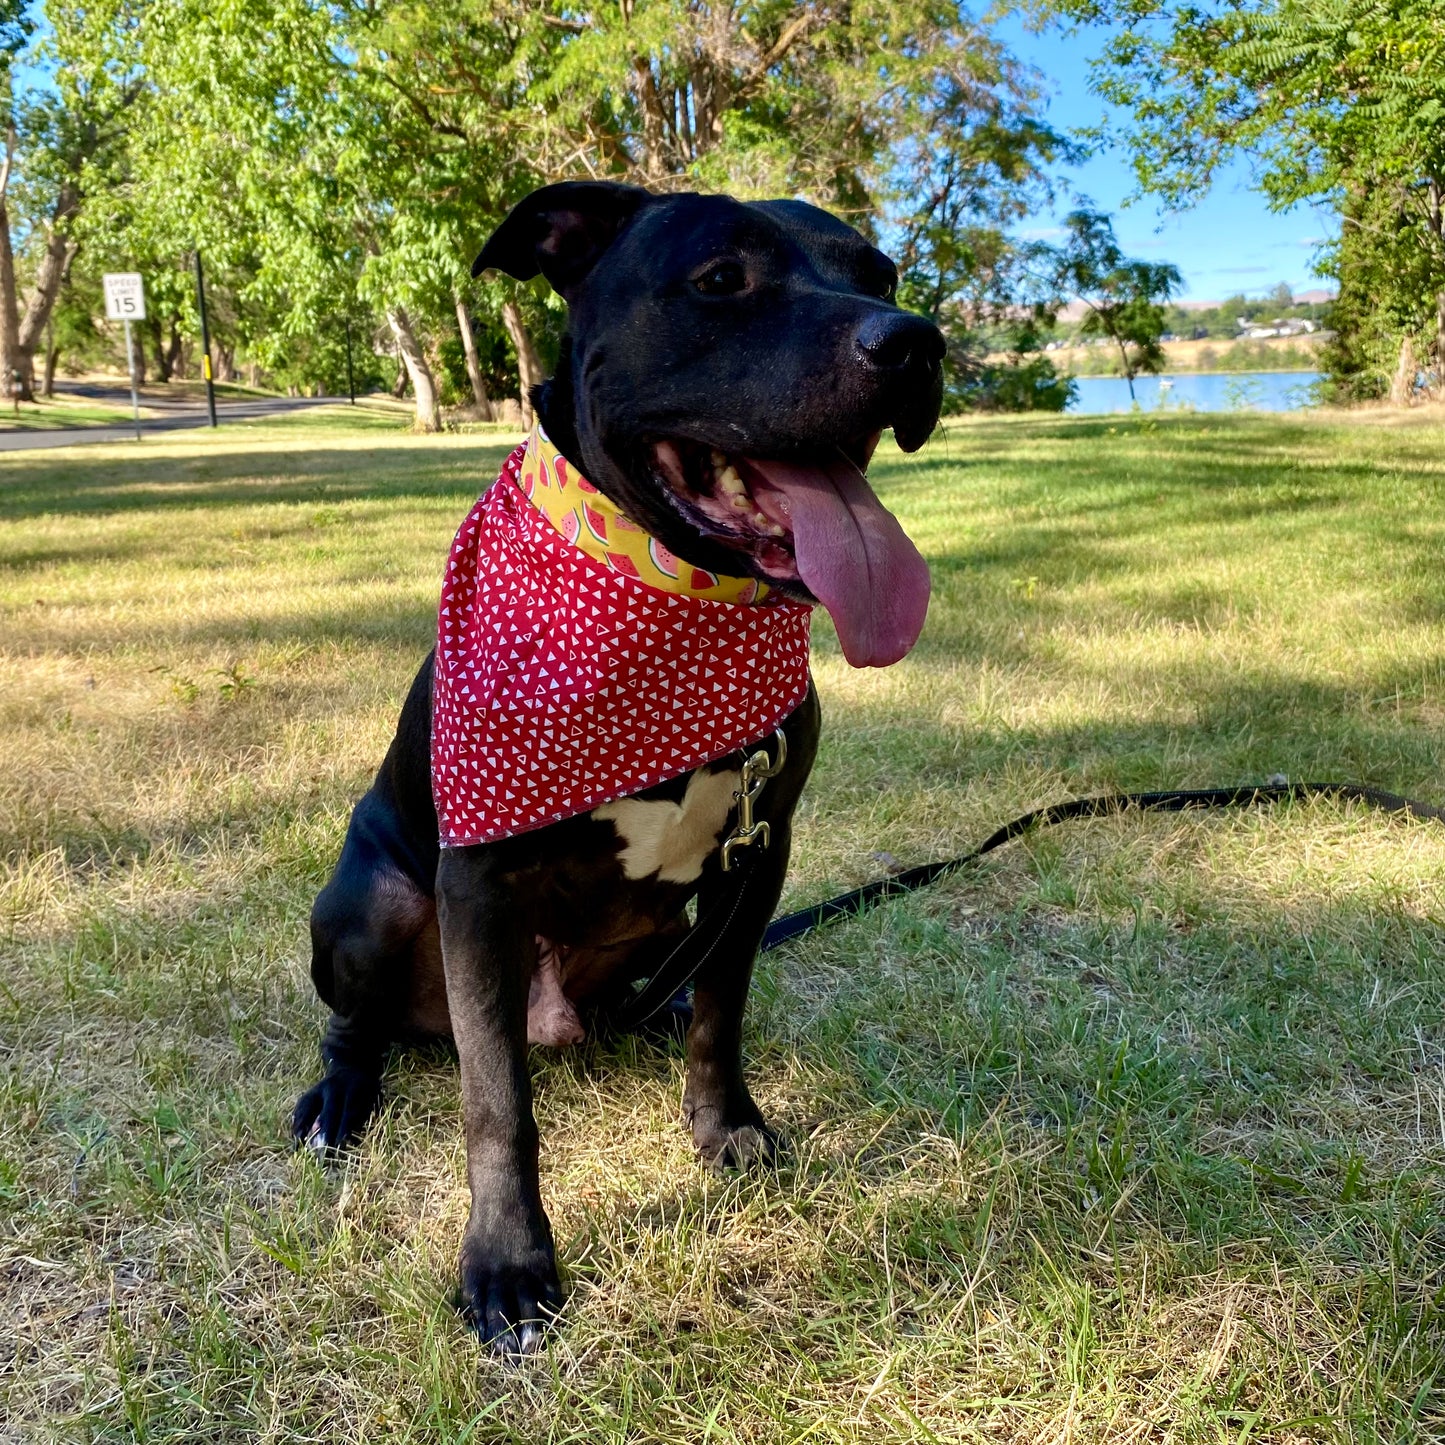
(205, 340)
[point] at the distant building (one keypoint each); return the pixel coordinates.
(1281, 326)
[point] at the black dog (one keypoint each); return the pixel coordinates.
(709, 342)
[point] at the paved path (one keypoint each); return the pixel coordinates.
(176, 414)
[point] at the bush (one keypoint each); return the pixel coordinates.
(1024, 383)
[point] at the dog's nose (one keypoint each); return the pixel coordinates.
(893, 340)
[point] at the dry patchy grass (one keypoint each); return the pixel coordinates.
(1133, 1134)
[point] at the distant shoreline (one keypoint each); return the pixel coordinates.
(1209, 355)
(1190, 371)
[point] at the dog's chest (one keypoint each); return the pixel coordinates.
(671, 838)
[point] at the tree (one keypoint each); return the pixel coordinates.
(1125, 299)
(62, 136)
(16, 28)
(310, 174)
(354, 155)
(1342, 100)
(907, 118)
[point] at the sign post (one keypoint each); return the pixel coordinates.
(125, 300)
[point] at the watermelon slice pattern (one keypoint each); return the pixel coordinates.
(595, 525)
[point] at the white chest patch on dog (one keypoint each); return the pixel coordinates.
(672, 840)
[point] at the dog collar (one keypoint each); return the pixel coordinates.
(564, 680)
(596, 526)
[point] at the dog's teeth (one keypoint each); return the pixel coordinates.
(740, 501)
(730, 484)
(719, 461)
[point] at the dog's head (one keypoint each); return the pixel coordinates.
(729, 369)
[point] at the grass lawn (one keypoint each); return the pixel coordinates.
(1133, 1133)
(62, 412)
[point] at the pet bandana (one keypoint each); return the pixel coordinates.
(579, 661)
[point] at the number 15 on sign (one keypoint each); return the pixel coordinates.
(125, 300)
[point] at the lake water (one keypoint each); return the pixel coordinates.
(1199, 390)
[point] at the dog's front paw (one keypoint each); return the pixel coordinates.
(509, 1301)
(331, 1115)
(739, 1144)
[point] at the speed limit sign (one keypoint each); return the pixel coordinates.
(125, 296)
(125, 300)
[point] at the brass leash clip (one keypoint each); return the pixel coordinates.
(757, 769)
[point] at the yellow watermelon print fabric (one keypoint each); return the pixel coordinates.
(596, 527)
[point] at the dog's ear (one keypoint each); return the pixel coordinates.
(560, 231)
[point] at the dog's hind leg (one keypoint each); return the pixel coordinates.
(332, 1113)
(362, 959)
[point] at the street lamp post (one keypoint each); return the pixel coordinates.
(205, 340)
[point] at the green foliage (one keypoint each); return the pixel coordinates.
(330, 158)
(1340, 100)
(347, 160)
(1196, 323)
(1024, 382)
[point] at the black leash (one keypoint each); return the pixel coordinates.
(695, 948)
(1181, 800)
(682, 965)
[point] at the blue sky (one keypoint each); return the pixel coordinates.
(1228, 243)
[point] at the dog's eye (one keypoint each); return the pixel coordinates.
(722, 278)
(885, 286)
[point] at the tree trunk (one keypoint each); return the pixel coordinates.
(474, 370)
(225, 363)
(1402, 386)
(50, 275)
(398, 387)
(9, 304)
(1437, 225)
(423, 384)
(529, 364)
(52, 351)
(173, 351)
(156, 331)
(1440, 345)
(1128, 370)
(12, 375)
(644, 86)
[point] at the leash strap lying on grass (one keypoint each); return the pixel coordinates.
(846, 905)
(696, 947)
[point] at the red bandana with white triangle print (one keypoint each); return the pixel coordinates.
(561, 684)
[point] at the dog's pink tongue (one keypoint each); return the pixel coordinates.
(852, 555)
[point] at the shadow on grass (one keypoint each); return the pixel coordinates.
(1239, 732)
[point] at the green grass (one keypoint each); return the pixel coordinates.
(1134, 1133)
(65, 412)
